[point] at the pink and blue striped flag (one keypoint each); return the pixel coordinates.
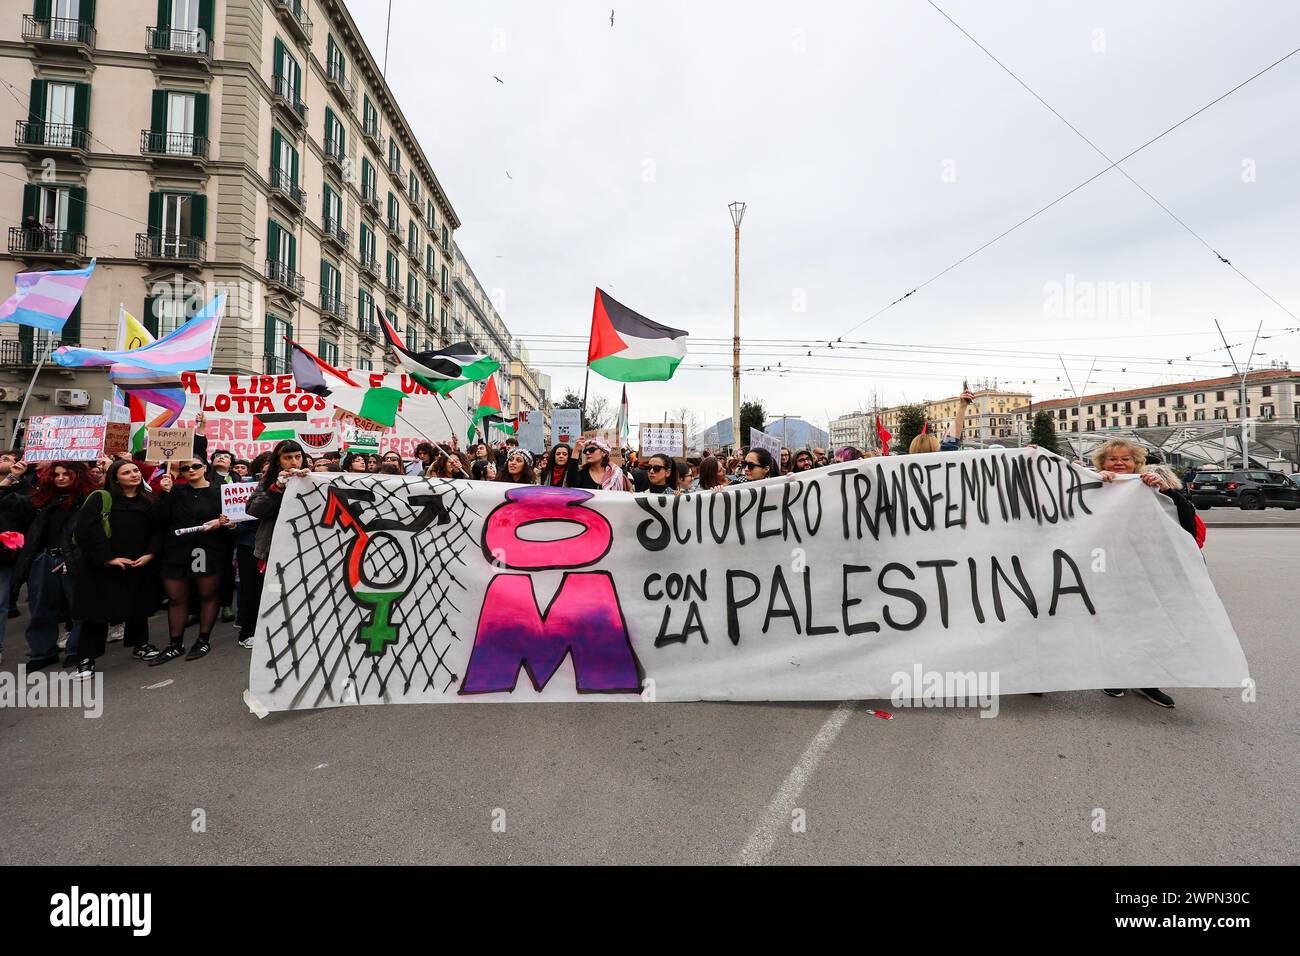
(153, 372)
(44, 300)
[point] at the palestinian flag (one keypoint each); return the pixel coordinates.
(313, 374)
(442, 369)
(489, 407)
(277, 426)
(627, 347)
(138, 421)
(508, 425)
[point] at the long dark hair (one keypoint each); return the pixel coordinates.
(712, 474)
(671, 480)
(113, 488)
(570, 467)
(47, 491)
(274, 468)
(526, 477)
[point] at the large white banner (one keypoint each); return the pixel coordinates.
(234, 404)
(822, 585)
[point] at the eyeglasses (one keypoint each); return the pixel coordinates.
(192, 467)
(655, 468)
(590, 451)
(752, 464)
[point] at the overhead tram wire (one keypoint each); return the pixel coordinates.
(1098, 150)
(1068, 193)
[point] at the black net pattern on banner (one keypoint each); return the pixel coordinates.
(312, 630)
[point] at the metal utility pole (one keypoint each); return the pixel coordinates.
(1245, 443)
(737, 214)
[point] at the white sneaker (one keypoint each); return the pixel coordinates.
(63, 641)
(116, 632)
(246, 643)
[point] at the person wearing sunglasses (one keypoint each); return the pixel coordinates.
(192, 562)
(662, 474)
(393, 458)
(759, 464)
(595, 469)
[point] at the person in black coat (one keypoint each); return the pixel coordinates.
(117, 580)
(194, 559)
(48, 512)
(11, 526)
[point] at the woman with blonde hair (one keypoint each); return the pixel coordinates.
(923, 444)
(1121, 457)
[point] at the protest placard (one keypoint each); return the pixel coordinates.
(532, 436)
(64, 438)
(234, 499)
(169, 444)
(761, 439)
(662, 438)
(117, 438)
(566, 426)
(363, 440)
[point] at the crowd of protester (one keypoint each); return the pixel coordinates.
(102, 546)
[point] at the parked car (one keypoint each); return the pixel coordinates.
(1295, 479)
(1248, 488)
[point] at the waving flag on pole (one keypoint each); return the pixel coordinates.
(440, 370)
(44, 300)
(311, 373)
(489, 406)
(884, 436)
(153, 372)
(628, 347)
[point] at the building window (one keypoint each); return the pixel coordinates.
(369, 189)
(365, 308)
(1180, 416)
(394, 214)
(1142, 421)
(1266, 411)
(413, 238)
(1268, 391)
(1199, 415)
(394, 272)
(1218, 396)
(363, 364)
(1162, 403)
(1198, 399)
(328, 351)
(1128, 419)
(1142, 403)
(278, 332)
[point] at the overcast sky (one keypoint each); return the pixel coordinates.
(875, 145)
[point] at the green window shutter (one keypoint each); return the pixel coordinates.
(325, 278)
(273, 240)
(150, 317)
(86, 12)
(270, 336)
(155, 214)
(201, 114)
(293, 252)
(158, 114)
(276, 141)
(277, 65)
(71, 333)
(164, 15)
(206, 18)
(41, 10)
(77, 209)
(293, 172)
(329, 123)
(81, 105)
(36, 102)
(31, 200)
(199, 216)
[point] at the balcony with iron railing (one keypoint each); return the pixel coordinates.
(179, 46)
(333, 306)
(370, 266)
(279, 274)
(294, 15)
(275, 364)
(283, 187)
(58, 31)
(40, 347)
(184, 147)
(395, 229)
(333, 152)
(413, 302)
(393, 285)
(395, 167)
(371, 131)
(368, 328)
(40, 242)
(339, 83)
(38, 135)
(165, 248)
(335, 233)
(370, 202)
(285, 96)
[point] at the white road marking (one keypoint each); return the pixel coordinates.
(161, 683)
(776, 818)
(320, 766)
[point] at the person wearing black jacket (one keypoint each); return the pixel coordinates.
(11, 526)
(48, 513)
(194, 559)
(561, 468)
(117, 580)
(264, 505)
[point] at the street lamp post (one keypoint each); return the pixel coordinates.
(737, 213)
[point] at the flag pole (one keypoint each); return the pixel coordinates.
(22, 410)
(212, 354)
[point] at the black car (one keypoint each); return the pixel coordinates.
(1249, 488)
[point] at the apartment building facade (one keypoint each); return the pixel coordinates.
(852, 429)
(990, 416)
(196, 146)
(1272, 395)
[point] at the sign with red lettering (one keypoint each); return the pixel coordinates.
(64, 438)
(234, 402)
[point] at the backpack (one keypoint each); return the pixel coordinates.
(73, 556)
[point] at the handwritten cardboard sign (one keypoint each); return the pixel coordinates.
(64, 438)
(169, 444)
(234, 499)
(117, 437)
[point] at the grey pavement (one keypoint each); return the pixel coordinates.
(1212, 781)
(1237, 518)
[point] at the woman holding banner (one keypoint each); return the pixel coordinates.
(1120, 457)
(117, 539)
(264, 504)
(661, 475)
(196, 546)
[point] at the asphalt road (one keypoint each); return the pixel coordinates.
(1212, 781)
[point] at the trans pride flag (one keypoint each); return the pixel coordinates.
(153, 373)
(44, 300)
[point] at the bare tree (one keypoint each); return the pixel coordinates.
(600, 412)
(691, 419)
